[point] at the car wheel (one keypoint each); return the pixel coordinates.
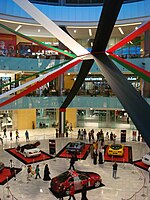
(25, 155)
(97, 184)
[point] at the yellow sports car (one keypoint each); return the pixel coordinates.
(116, 150)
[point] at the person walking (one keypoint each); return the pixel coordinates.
(46, 173)
(84, 192)
(72, 162)
(115, 166)
(37, 172)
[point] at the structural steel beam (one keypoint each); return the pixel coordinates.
(106, 24)
(137, 108)
(107, 20)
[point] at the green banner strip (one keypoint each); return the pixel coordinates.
(40, 72)
(38, 42)
(142, 75)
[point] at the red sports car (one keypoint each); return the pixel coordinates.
(61, 183)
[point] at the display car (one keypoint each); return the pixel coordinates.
(63, 182)
(75, 147)
(1, 166)
(146, 159)
(116, 150)
(29, 150)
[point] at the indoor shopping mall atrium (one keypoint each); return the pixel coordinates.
(74, 99)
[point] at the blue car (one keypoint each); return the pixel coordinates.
(75, 147)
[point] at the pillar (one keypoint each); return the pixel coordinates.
(62, 121)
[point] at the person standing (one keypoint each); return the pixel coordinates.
(72, 192)
(115, 166)
(84, 193)
(12, 165)
(29, 172)
(95, 154)
(10, 135)
(4, 131)
(46, 173)
(37, 172)
(17, 135)
(1, 139)
(149, 173)
(27, 136)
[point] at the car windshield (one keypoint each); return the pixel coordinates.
(29, 146)
(63, 177)
(116, 147)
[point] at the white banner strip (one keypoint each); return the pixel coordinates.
(50, 26)
(34, 80)
(42, 77)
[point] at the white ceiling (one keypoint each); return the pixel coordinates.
(75, 32)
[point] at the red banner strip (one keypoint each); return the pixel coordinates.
(40, 83)
(139, 69)
(130, 37)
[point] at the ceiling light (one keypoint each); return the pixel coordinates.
(121, 31)
(130, 42)
(90, 32)
(91, 44)
(14, 22)
(39, 30)
(136, 28)
(68, 74)
(75, 31)
(18, 27)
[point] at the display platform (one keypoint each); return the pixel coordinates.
(26, 161)
(83, 155)
(141, 165)
(126, 158)
(58, 195)
(6, 175)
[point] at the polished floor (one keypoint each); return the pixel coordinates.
(131, 183)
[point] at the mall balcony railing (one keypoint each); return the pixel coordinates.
(79, 102)
(31, 64)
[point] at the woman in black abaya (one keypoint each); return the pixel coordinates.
(46, 173)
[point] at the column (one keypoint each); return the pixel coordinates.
(62, 120)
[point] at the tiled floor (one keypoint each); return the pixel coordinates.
(129, 180)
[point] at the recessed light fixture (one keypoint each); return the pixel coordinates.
(136, 28)
(18, 27)
(68, 74)
(121, 31)
(39, 30)
(130, 42)
(90, 32)
(75, 31)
